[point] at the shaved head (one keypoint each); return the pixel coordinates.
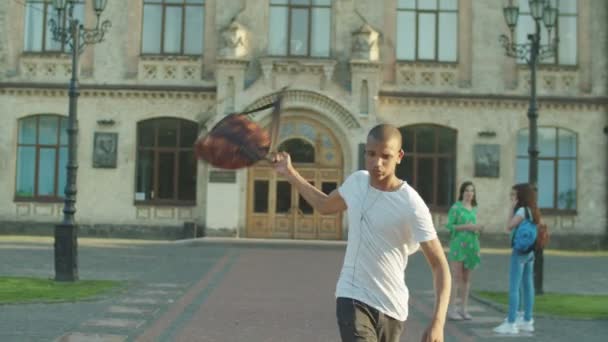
(382, 154)
(385, 133)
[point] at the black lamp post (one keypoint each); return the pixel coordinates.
(70, 31)
(532, 52)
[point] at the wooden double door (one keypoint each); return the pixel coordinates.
(275, 209)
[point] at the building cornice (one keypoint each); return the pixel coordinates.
(490, 100)
(109, 90)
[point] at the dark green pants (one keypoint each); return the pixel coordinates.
(359, 322)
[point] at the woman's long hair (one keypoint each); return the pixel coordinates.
(463, 187)
(526, 197)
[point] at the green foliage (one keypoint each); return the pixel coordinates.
(32, 290)
(560, 305)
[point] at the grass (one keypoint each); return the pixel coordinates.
(34, 290)
(559, 305)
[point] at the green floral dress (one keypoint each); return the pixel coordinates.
(464, 245)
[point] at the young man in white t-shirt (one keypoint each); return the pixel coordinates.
(387, 221)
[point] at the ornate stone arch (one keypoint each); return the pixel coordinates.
(330, 113)
(309, 100)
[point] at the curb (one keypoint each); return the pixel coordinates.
(250, 242)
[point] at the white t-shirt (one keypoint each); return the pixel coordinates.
(384, 228)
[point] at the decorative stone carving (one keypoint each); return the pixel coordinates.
(328, 71)
(432, 76)
(267, 66)
(519, 102)
(289, 69)
(311, 100)
(173, 70)
(447, 79)
(427, 78)
(233, 41)
(126, 92)
(52, 68)
(365, 44)
(550, 81)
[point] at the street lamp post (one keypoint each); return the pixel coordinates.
(532, 52)
(71, 32)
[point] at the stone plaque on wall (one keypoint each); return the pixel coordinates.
(104, 149)
(222, 176)
(487, 160)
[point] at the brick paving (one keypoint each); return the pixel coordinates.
(227, 290)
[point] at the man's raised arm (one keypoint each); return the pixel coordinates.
(324, 204)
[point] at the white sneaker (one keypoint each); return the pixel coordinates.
(507, 328)
(526, 326)
(519, 319)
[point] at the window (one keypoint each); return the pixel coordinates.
(37, 33)
(565, 28)
(300, 150)
(173, 27)
(300, 28)
(427, 30)
(429, 163)
(42, 156)
(166, 166)
(556, 166)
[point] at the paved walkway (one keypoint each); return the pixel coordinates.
(236, 290)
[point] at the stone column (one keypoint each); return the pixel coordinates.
(365, 69)
(133, 47)
(465, 43)
(210, 42)
(14, 24)
(3, 44)
(389, 45)
(87, 59)
(584, 37)
(231, 65)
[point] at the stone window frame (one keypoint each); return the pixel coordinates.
(555, 160)
(179, 148)
(59, 147)
(15, 24)
(464, 62)
(437, 155)
(164, 4)
(290, 7)
(437, 11)
(133, 38)
(47, 7)
(547, 64)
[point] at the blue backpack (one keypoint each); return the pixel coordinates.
(524, 237)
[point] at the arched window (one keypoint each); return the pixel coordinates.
(42, 155)
(300, 150)
(166, 166)
(429, 164)
(556, 166)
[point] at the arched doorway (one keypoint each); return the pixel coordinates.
(275, 209)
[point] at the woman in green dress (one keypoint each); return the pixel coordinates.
(464, 248)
